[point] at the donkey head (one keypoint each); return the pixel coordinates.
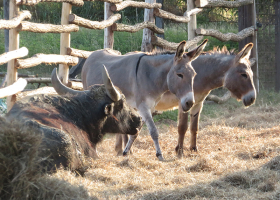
(239, 78)
(181, 75)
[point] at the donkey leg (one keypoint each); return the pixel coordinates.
(118, 145)
(182, 129)
(194, 113)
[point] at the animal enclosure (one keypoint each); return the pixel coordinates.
(71, 22)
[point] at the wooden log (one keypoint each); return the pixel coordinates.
(13, 23)
(3, 74)
(42, 90)
(108, 1)
(108, 32)
(86, 54)
(228, 36)
(222, 3)
(13, 45)
(78, 3)
(136, 4)
(173, 46)
(16, 87)
(64, 42)
(137, 27)
(147, 45)
(192, 22)
(184, 19)
(75, 85)
(47, 28)
(19, 53)
(38, 80)
(74, 19)
(217, 99)
(46, 59)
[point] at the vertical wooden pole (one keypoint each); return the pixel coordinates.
(13, 45)
(247, 18)
(64, 41)
(277, 46)
(108, 33)
(6, 31)
(192, 23)
(159, 20)
(147, 33)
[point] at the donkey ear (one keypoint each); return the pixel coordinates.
(193, 54)
(109, 108)
(244, 53)
(180, 50)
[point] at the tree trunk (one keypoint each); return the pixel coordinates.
(6, 17)
(159, 20)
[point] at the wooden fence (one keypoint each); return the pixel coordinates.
(71, 22)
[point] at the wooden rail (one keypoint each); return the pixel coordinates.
(222, 3)
(35, 2)
(183, 19)
(171, 45)
(228, 36)
(47, 28)
(13, 23)
(19, 53)
(136, 4)
(74, 19)
(137, 27)
(46, 59)
(16, 87)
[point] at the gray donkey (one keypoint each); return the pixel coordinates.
(144, 78)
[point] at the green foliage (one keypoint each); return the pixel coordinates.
(170, 114)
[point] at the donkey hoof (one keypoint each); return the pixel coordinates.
(193, 149)
(179, 152)
(124, 153)
(160, 157)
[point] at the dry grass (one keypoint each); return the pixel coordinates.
(233, 162)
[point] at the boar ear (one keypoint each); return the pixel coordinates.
(109, 108)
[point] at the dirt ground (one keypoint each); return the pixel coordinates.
(232, 162)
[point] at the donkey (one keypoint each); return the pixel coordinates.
(144, 84)
(214, 69)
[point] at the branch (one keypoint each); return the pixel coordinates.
(219, 100)
(16, 87)
(253, 61)
(137, 27)
(168, 15)
(108, 1)
(74, 19)
(19, 53)
(46, 59)
(47, 28)
(222, 3)
(13, 23)
(86, 54)
(228, 36)
(136, 4)
(34, 2)
(171, 45)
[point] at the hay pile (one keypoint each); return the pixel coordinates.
(21, 175)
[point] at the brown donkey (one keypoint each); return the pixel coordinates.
(214, 69)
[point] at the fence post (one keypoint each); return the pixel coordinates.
(246, 18)
(64, 41)
(192, 23)
(159, 20)
(277, 46)
(147, 33)
(108, 33)
(13, 45)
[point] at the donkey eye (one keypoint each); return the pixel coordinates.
(180, 75)
(244, 75)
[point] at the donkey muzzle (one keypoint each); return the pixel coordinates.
(187, 102)
(249, 98)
